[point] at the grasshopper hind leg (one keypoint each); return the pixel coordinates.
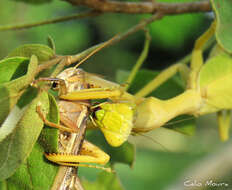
(89, 154)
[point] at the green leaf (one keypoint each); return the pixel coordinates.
(51, 43)
(217, 50)
(12, 68)
(16, 147)
(43, 52)
(123, 154)
(27, 97)
(3, 185)
(34, 1)
(49, 136)
(105, 181)
(223, 11)
(36, 172)
(12, 90)
(183, 124)
(215, 80)
(169, 89)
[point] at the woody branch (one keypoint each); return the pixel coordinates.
(144, 7)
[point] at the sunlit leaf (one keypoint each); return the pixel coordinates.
(223, 11)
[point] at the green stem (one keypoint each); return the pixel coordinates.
(140, 61)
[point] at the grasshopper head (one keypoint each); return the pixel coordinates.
(73, 80)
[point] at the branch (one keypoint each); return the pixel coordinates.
(144, 7)
(51, 21)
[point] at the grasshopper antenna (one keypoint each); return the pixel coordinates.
(105, 44)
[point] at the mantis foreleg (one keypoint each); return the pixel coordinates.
(197, 55)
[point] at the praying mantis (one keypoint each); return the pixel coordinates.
(207, 91)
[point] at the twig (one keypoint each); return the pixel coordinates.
(76, 58)
(143, 7)
(51, 21)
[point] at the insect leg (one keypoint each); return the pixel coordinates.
(51, 124)
(89, 154)
(197, 57)
(94, 93)
(223, 119)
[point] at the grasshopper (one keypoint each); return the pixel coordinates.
(71, 119)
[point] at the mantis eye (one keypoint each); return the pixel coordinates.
(94, 113)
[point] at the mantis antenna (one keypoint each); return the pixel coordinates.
(105, 44)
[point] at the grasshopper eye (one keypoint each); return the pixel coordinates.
(54, 85)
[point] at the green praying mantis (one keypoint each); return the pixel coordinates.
(207, 91)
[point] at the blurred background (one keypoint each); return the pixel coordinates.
(171, 158)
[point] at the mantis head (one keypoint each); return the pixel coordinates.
(115, 121)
